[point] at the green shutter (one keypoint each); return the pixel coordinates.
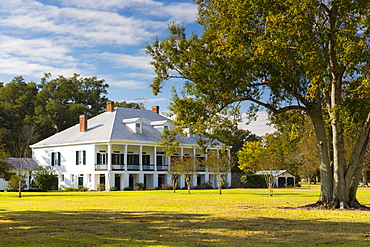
(84, 157)
(52, 159)
(59, 159)
(77, 158)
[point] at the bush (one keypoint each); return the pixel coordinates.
(113, 189)
(46, 179)
(101, 187)
(127, 188)
(206, 185)
(141, 186)
(70, 189)
(82, 188)
(13, 184)
(253, 181)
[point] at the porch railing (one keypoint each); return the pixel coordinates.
(101, 167)
(162, 168)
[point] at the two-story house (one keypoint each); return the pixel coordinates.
(118, 148)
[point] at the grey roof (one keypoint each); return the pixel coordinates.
(28, 164)
(274, 173)
(109, 126)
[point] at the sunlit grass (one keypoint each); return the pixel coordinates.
(239, 217)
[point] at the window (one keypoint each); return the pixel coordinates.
(118, 159)
(72, 178)
(132, 159)
(62, 178)
(138, 128)
(160, 160)
(89, 178)
(55, 159)
(101, 158)
(81, 157)
(146, 159)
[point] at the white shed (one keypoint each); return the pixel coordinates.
(282, 178)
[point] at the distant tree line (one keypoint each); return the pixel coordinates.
(50, 106)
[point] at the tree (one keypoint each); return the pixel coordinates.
(310, 55)
(254, 157)
(185, 167)
(46, 179)
(219, 166)
(62, 100)
(306, 156)
(16, 182)
(175, 172)
(4, 165)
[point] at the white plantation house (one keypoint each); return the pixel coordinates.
(118, 148)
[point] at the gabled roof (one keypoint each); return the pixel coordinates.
(110, 126)
(274, 173)
(28, 164)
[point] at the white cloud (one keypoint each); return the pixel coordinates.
(129, 84)
(111, 4)
(91, 26)
(140, 62)
(258, 127)
(180, 12)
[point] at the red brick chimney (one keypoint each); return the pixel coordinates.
(110, 106)
(155, 109)
(83, 123)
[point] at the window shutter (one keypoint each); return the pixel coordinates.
(77, 157)
(52, 159)
(59, 159)
(84, 157)
(122, 161)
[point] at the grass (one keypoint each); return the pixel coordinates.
(239, 217)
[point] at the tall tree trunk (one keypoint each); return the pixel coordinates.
(326, 172)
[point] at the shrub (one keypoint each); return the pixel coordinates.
(113, 189)
(141, 186)
(253, 181)
(13, 184)
(70, 189)
(46, 179)
(206, 185)
(82, 188)
(101, 187)
(127, 188)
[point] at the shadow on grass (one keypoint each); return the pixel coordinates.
(146, 228)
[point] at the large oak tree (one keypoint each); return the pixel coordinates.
(308, 55)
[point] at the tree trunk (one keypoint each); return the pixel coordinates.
(326, 173)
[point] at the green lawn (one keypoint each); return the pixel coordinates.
(239, 217)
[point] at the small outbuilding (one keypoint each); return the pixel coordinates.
(25, 165)
(282, 178)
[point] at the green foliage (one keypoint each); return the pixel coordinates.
(70, 189)
(82, 188)
(4, 165)
(101, 187)
(128, 188)
(50, 106)
(253, 181)
(46, 179)
(113, 189)
(307, 56)
(141, 186)
(13, 183)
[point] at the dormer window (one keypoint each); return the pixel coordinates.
(160, 125)
(138, 128)
(135, 124)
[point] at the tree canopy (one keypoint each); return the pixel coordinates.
(49, 106)
(310, 55)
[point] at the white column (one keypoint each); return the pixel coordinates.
(122, 181)
(141, 158)
(181, 152)
(155, 180)
(126, 180)
(109, 158)
(141, 178)
(155, 159)
(125, 158)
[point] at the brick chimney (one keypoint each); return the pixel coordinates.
(110, 106)
(155, 109)
(83, 123)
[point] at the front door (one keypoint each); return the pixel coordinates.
(117, 182)
(80, 180)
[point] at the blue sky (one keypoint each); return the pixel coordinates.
(102, 38)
